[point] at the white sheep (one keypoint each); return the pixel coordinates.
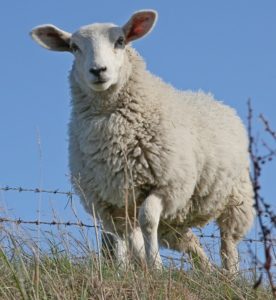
(140, 149)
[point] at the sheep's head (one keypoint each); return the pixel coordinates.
(98, 48)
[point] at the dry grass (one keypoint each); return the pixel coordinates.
(66, 267)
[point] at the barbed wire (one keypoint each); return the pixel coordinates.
(51, 223)
(36, 190)
(70, 194)
(184, 259)
(19, 221)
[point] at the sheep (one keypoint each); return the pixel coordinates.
(152, 161)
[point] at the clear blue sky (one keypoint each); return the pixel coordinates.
(227, 48)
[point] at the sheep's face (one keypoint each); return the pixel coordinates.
(99, 49)
(99, 55)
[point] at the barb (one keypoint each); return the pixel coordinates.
(36, 190)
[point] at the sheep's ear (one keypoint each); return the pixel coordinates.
(139, 24)
(51, 37)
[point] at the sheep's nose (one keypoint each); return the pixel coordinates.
(97, 71)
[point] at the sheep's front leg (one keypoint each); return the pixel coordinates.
(114, 247)
(121, 252)
(137, 246)
(149, 216)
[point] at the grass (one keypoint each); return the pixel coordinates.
(67, 267)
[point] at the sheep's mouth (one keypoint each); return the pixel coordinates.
(100, 81)
(100, 84)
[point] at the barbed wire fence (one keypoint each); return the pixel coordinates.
(69, 196)
(69, 223)
(210, 241)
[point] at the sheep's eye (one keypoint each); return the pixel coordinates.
(120, 42)
(75, 47)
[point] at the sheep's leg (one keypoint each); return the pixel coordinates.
(108, 245)
(137, 246)
(229, 242)
(229, 253)
(235, 221)
(190, 244)
(149, 216)
(187, 242)
(121, 252)
(135, 249)
(114, 246)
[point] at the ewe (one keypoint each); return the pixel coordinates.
(146, 155)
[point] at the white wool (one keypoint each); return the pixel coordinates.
(184, 146)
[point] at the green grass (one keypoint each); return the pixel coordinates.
(69, 268)
(61, 277)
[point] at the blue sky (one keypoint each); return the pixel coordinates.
(227, 48)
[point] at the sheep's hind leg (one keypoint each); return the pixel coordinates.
(234, 222)
(229, 253)
(187, 242)
(149, 216)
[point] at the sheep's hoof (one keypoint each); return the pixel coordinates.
(229, 274)
(155, 266)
